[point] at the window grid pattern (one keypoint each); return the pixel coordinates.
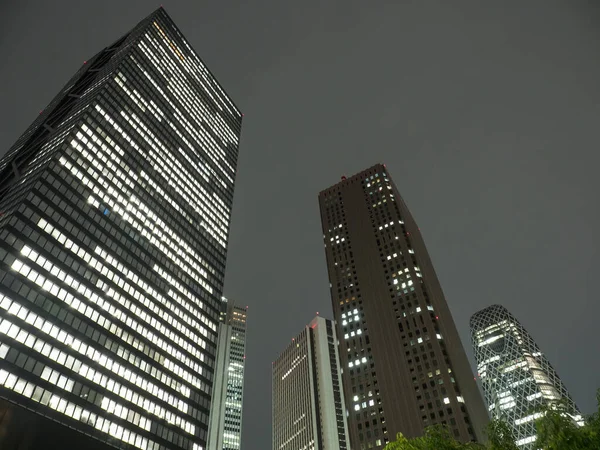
(227, 403)
(379, 269)
(113, 242)
(366, 417)
(294, 410)
(435, 388)
(308, 407)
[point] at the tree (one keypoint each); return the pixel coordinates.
(437, 437)
(556, 430)
(500, 436)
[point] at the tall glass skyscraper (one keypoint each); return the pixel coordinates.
(404, 366)
(516, 376)
(115, 210)
(308, 406)
(225, 430)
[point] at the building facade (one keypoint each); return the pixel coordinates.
(516, 376)
(114, 219)
(404, 367)
(225, 424)
(308, 404)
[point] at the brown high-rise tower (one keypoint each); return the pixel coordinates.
(404, 365)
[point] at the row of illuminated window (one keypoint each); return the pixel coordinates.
(188, 99)
(199, 66)
(488, 360)
(58, 356)
(147, 75)
(382, 227)
(56, 378)
(70, 409)
(357, 362)
(375, 205)
(95, 298)
(354, 312)
(490, 340)
(87, 311)
(134, 95)
(27, 177)
(111, 161)
(529, 418)
(135, 224)
(490, 328)
(137, 98)
(208, 85)
(166, 196)
(406, 273)
(97, 174)
(215, 230)
(80, 233)
(364, 405)
(335, 229)
(114, 346)
(420, 340)
(185, 183)
(181, 288)
(351, 334)
(514, 366)
(527, 440)
(165, 234)
(171, 306)
(127, 287)
(186, 91)
(297, 361)
(403, 285)
(216, 200)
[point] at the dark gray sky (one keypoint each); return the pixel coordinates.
(486, 113)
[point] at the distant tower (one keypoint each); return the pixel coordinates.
(115, 208)
(398, 341)
(308, 405)
(225, 425)
(515, 375)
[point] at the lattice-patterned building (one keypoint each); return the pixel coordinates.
(114, 219)
(516, 376)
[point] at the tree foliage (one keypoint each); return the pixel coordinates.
(500, 436)
(436, 438)
(556, 430)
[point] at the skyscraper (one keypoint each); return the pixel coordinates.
(516, 376)
(115, 217)
(404, 367)
(308, 405)
(225, 424)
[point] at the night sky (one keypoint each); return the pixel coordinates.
(487, 115)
